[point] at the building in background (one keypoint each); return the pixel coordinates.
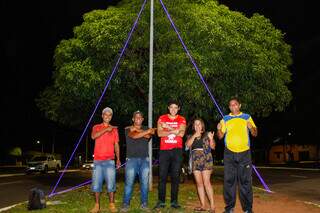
(287, 153)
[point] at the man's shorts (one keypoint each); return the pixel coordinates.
(103, 170)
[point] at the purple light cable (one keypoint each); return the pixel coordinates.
(82, 184)
(191, 58)
(104, 91)
(203, 81)
(70, 189)
(261, 180)
(87, 182)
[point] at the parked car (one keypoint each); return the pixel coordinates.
(87, 165)
(43, 163)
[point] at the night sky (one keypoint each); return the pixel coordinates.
(32, 29)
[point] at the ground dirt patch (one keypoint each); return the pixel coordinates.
(263, 202)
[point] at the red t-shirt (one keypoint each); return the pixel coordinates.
(104, 145)
(171, 141)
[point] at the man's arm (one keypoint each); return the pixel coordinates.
(117, 152)
(253, 130)
(182, 130)
(220, 134)
(152, 132)
(133, 133)
(97, 134)
(161, 132)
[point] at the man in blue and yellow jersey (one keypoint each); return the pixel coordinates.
(236, 128)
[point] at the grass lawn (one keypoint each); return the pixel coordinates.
(81, 200)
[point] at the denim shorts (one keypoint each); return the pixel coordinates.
(103, 170)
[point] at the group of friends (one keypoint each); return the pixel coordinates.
(235, 128)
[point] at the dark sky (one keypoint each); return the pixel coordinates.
(31, 30)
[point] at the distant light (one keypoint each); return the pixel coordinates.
(276, 140)
(289, 133)
(38, 142)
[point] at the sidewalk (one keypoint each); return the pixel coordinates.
(6, 171)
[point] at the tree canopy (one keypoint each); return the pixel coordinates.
(237, 55)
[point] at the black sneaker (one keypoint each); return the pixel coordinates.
(175, 205)
(159, 205)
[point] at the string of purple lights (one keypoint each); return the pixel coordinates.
(89, 181)
(262, 181)
(204, 82)
(115, 68)
(191, 58)
(108, 82)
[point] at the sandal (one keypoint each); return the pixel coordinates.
(199, 209)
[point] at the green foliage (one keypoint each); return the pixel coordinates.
(16, 151)
(237, 55)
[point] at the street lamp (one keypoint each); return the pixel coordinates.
(286, 142)
(38, 142)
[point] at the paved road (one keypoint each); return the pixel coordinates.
(303, 185)
(15, 188)
(300, 184)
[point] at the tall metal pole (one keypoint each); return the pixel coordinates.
(150, 91)
(53, 131)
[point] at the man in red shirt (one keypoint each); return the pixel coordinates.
(106, 145)
(171, 128)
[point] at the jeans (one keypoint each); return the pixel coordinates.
(237, 171)
(169, 161)
(140, 167)
(103, 170)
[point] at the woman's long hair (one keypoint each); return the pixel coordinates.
(203, 126)
(204, 134)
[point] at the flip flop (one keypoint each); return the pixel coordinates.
(200, 209)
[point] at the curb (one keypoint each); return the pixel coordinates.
(10, 175)
(279, 168)
(12, 206)
(287, 168)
